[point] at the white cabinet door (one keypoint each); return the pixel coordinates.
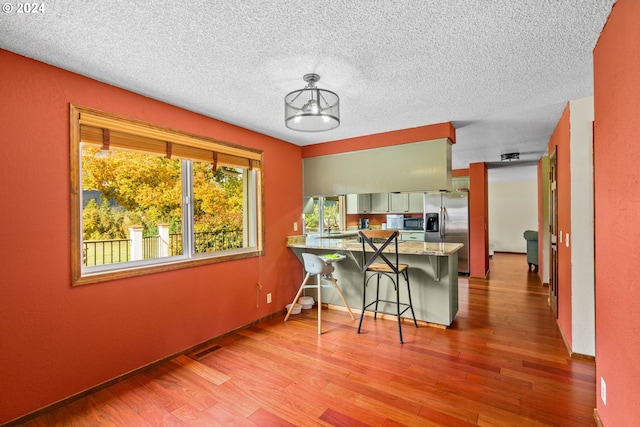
(398, 202)
(416, 202)
(459, 182)
(358, 203)
(412, 236)
(380, 202)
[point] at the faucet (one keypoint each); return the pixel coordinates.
(335, 223)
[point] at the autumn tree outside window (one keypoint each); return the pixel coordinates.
(146, 198)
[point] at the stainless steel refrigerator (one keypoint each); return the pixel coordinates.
(446, 219)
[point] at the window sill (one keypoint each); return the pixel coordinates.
(105, 276)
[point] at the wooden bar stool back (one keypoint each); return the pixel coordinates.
(384, 263)
(316, 266)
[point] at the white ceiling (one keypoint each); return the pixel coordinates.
(500, 70)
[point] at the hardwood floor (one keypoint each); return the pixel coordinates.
(502, 363)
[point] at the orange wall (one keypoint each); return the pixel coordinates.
(617, 214)
(55, 340)
(374, 219)
(460, 172)
(560, 141)
(478, 220)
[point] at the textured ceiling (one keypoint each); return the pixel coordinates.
(500, 70)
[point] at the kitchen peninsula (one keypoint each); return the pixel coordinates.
(433, 273)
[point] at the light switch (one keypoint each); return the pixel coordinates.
(295, 226)
(566, 240)
(560, 235)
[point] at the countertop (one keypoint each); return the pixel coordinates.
(352, 245)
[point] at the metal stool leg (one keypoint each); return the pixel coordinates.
(375, 313)
(319, 304)
(364, 299)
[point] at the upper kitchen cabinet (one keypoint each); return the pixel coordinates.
(399, 202)
(380, 203)
(416, 202)
(385, 203)
(409, 167)
(358, 203)
(459, 182)
(406, 202)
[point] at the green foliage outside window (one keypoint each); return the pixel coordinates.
(331, 215)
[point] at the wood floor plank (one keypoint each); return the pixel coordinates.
(291, 366)
(234, 397)
(443, 418)
(375, 405)
(290, 403)
(264, 418)
(117, 410)
(178, 388)
(339, 419)
(227, 417)
(502, 363)
(211, 375)
(415, 389)
(143, 402)
(195, 417)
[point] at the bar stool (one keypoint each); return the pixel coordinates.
(378, 265)
(323, 270)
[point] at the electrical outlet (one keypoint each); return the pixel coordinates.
(603, 391)
(269, 298)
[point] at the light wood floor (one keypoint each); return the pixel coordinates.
(502, 363)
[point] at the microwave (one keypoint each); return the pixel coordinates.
(413, 223)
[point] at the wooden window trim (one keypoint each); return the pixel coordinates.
(87, 125)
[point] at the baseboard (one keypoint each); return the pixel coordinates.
(596, 418)
(357, 311)
(573, 354)
(580, 356)
(31, 415)
(485, 277)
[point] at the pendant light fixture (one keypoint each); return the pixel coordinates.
(509, 156)
(311, 109)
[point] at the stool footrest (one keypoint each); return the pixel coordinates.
(406, 307)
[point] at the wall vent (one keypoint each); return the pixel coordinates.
(203, 353)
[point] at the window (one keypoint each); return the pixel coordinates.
(328, 211)
(146, 199)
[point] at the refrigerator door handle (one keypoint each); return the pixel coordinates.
(443, 221)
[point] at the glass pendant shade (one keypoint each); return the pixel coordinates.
(311, 109)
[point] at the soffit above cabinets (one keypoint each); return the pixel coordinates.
(418, 166)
